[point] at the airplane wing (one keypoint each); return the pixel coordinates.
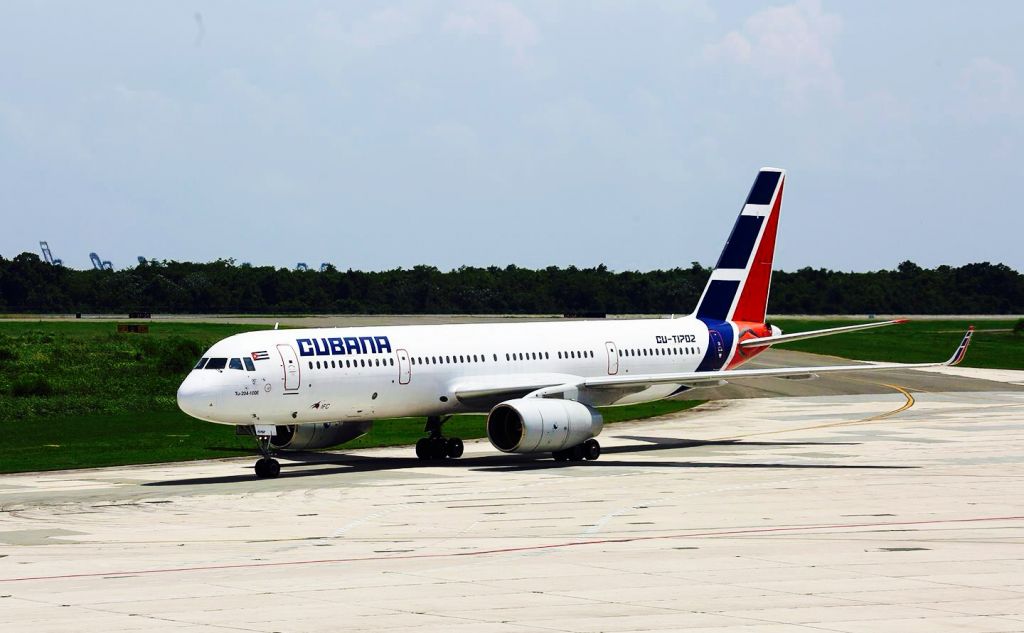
(800, 336)
(552, 384)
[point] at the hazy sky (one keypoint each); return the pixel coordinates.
(378, 135)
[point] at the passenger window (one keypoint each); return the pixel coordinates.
(216, 363)
(249, 365)
(392, 362)
(202, 361)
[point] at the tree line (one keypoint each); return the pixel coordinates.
(29, 285)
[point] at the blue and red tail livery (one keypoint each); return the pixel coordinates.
(961, 351)
(738, 288)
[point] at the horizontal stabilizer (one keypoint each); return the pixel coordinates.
(961, 351)
(800, 336)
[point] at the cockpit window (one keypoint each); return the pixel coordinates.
(249, 364)
(236, 363)
(217, 363)
(202, 361)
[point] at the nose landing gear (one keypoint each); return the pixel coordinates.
(267, 467)
(435, 445)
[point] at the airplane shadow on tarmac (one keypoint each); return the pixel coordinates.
(319, 464)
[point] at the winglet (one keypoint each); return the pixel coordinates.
(961, 351)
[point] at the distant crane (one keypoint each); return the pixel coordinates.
(325, 266)
(100, 264)
(48, 256)
(301, 266)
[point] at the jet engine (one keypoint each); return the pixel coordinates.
(537, 425)
(319, 435)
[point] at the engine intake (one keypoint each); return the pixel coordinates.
(538, 425)
(319, 435)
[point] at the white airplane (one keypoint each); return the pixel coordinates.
(539, 383)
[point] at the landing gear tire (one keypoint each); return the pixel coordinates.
(576, 453)
(423, 448)
(591, 449)
(438, 447)
(560, 456)
(267, 468)
(453, 448)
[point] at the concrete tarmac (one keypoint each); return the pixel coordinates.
(896, 508)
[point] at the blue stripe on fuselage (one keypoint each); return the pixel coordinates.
(715, 357)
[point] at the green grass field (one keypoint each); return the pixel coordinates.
(994, 344)
(77, 394)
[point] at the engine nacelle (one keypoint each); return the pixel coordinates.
(319, 435)
(538, 425)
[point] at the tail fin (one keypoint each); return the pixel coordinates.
(738, 288)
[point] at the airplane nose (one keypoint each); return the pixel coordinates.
(192, 397)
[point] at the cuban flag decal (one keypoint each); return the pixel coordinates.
(261, 355)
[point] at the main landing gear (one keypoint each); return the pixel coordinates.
(589, 450)
(267, 467)
(435, 445)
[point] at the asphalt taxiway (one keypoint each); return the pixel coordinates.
(899, 507)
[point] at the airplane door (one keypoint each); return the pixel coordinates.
(404, 367)
(613, 358)
(290, 367)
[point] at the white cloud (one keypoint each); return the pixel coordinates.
(791, 43)
(483, 18)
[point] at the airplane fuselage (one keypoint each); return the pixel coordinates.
(300, 376)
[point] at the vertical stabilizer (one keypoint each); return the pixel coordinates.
(738, 288)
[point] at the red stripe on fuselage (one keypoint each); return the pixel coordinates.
(753, 301)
